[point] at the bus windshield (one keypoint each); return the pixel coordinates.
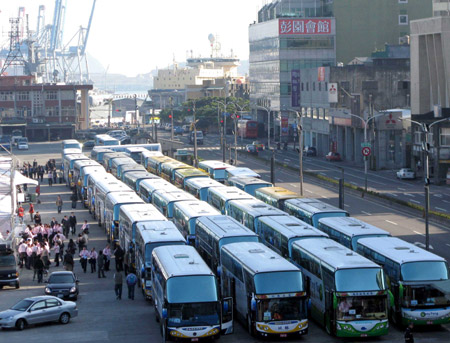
(278, 282)
(185, 289)
(362, 308)
(281, 309)
(193, 314)
(150, 246)
(424, 271)
(359, 280)
(237, 239)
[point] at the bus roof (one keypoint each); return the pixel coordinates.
(160, 231)
(398, 250)
(242, 171)
(279, 193)
(175, 196)
(142, 213)
(214, 164)
(135, 149)
(115, 185)
(313, 205)
(114, 154)
(225, 226)
(258, 258)
(290, 227)
(124, 198)
(71, 151)
(156, 184)
(104, 176)
(257, 208)
(68, 141)
(197, 208)
(148, 153)
(85, 163)
(244, 181)
(88, 170)
(133, 167)
(202, 182)
(334, 254)
(230, 193)
(352, 227)
(181, 260)
(137, 175)
(176, 165)
(122, 160)
(191, 172)
(73, 157)
(161, 159)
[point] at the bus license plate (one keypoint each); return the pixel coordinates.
(363, 335)
(194, 339)
(429, 322)
(283, 335)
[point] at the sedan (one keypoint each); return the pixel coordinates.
(22, 146)
(37, 310)
(62, 285)
(333, 156)
(177, 130)
(406, 173)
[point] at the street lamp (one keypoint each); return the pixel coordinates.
(195, 137)
(171, 117)
(300, 145)
(222, 142)
(267, 109)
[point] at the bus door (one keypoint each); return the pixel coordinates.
(226, 327)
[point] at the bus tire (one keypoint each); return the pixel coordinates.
(164, 332)
(250, 327)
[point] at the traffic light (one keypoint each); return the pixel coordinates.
(221, 122)
(238, 116)
(170, 116)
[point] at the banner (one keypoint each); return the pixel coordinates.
(295, 81)
(332, 93)
(321, 74)
(284, 125)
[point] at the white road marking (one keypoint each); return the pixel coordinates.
(417, 202)
(307, 190)
(401, 189)
(438, 195)
(393, 223)
(394, 195)
(447, 244)
(323, 196)
(419, 233)
(441, 209)
(293, 185)
(346, 205)
(367, 213)
(353, 183)
(446, 201)
(409, 195)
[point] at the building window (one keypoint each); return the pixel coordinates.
(307, 86)
(314, 86)
(51, 111)
(23, 96)
(445, 136)
(403, 19)
(51, 95)
(6, 96)
(320, 87)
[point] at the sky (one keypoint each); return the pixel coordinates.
(135, 36)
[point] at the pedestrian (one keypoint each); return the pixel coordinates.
(71, 247)
(93, 260)
(44, 255)
(31, 211)
(107, 257)
(81, 242)
(84, 255)
(38, 190)
(55, 175)
(20, 213)
(50, 178)
(409, 338)
(66, 226)
(131, 283)
(73, 223)
(74, 199)
(39, 267)
(85, 227)
(37, 218)
(59, 203)
(68, 261)
(118, 254)
(118, 281)
(57, 249)
(101, 265)
(22, 253)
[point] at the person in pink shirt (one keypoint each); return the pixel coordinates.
(84, 255)
(93, 260)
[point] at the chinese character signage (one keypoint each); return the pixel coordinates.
(295, 80)
(332, 93)
(304, 26)
(284, 125)
(321, 74)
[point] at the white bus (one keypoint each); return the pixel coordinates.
(219, 197)
(106, 140)
(348, 230)
(348, 292)
(78, 167)
(267, 290)
(213, 232)
(70, 151)
(248, 184)
(92, 180)
(186, 212)
(280, 232)
(97, 154)
(133, 178)
(183, 311)
(240, 172)
(135, 153)
(275, 196)
(108, 157)
(418, 280)
(199, 186)
(85, 173)
(248, 212)
(68, 163)
(215, 169)
(165, 201)
(311, 210)
(146, 154)
(148, 187)
(129, 168)
(117, 162)
(71, 144)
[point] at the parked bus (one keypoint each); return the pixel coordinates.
(153, 163)
(113, 202)
(146, 154)
(106, 140)
(219, 197)
(135, 153)
(164, 201)
(348, 292)
(183, 311)
(71, 144)
(215, 169)
(248, 184)
(186, 212)
(109, 156)
(311, 210)
(85, 173)
(213, 232)
(248, 212)
(417, 279)
(348, 230)
(275, 196)
(117, 162)
(68, 163)
(168, 169)
(280, 232)
(198, 187)
(247, 128)
(97, 154)
(182, 175)
(133, 178)
(240, 172)
(148, 187)
(267, 290)
(156, 147)
(93, 179)
(70, 151)
(130, 168)
(77, 176)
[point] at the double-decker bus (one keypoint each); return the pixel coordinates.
(186, 295)
(280, 232)
(133, 178)
(417, 279)
(275, 196)
(267, 290)
(248, 184)
(213, 232)
(164, 201)
(348, 230)
(183, 175)
(219, 197)
(168, 169)
(348, 292)
(247, 128)
(215, 169)
(248, 212)
(149, 186)
(198, 187)
(186, 212)
(311, 210)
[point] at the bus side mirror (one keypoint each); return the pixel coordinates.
(253, 304)
(219, 271)
(164, 313)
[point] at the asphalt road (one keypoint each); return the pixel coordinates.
(104, 319)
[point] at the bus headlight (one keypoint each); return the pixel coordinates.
(212, 332)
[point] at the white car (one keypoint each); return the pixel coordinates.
(406, 173)
(22, 146)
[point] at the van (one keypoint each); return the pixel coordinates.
(9, 273)
(199, 137)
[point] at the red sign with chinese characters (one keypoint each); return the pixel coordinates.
(304, 26)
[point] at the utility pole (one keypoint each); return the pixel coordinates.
(136, 120)
(195, 138)
(300, 145)
(221, 129)
(171, 117)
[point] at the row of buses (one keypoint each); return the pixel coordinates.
(259, 253)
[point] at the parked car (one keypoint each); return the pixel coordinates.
(250, 148)
(333, 157)
(259, 146)
(37, 310)
(88, 145)
(199, 137)
(186, 128)
(22, 143)
(62, 285)
(310, 151)
(177, 130)
(406, 173)
(9, 271)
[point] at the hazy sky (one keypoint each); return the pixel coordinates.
(135, 36)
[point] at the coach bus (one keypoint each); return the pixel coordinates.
(85, 173)
(135, 153)
(146, 154)
(106, 140)
(97, 154)
(219, 197)
(267, 290)
(248, 184)
(133, 178)
(247, 128)
(153, 163)
(417, 279)
(348, 230)
(275, 196)
(70, 151)
(68, 163)
(186, 212)
(168, 169)
(311, 210)
(215, 169)
(164, 201)
(130, 168)
(71, 144)
(149, 186)
(198, 187)
(183, 175)
(248, 212)
(77, 176)
(213, 232)
(280, 232)
(348, 292)
(117, 162)
(184, 312)
(240, 172)
(92, 180)
(106, 161)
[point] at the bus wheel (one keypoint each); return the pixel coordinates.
(164, 332)
(249, 326)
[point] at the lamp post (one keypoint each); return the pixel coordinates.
(195, 137)
(241, 108)
(300, 145)
(222, 142)
(171, 118)
(267, 109)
